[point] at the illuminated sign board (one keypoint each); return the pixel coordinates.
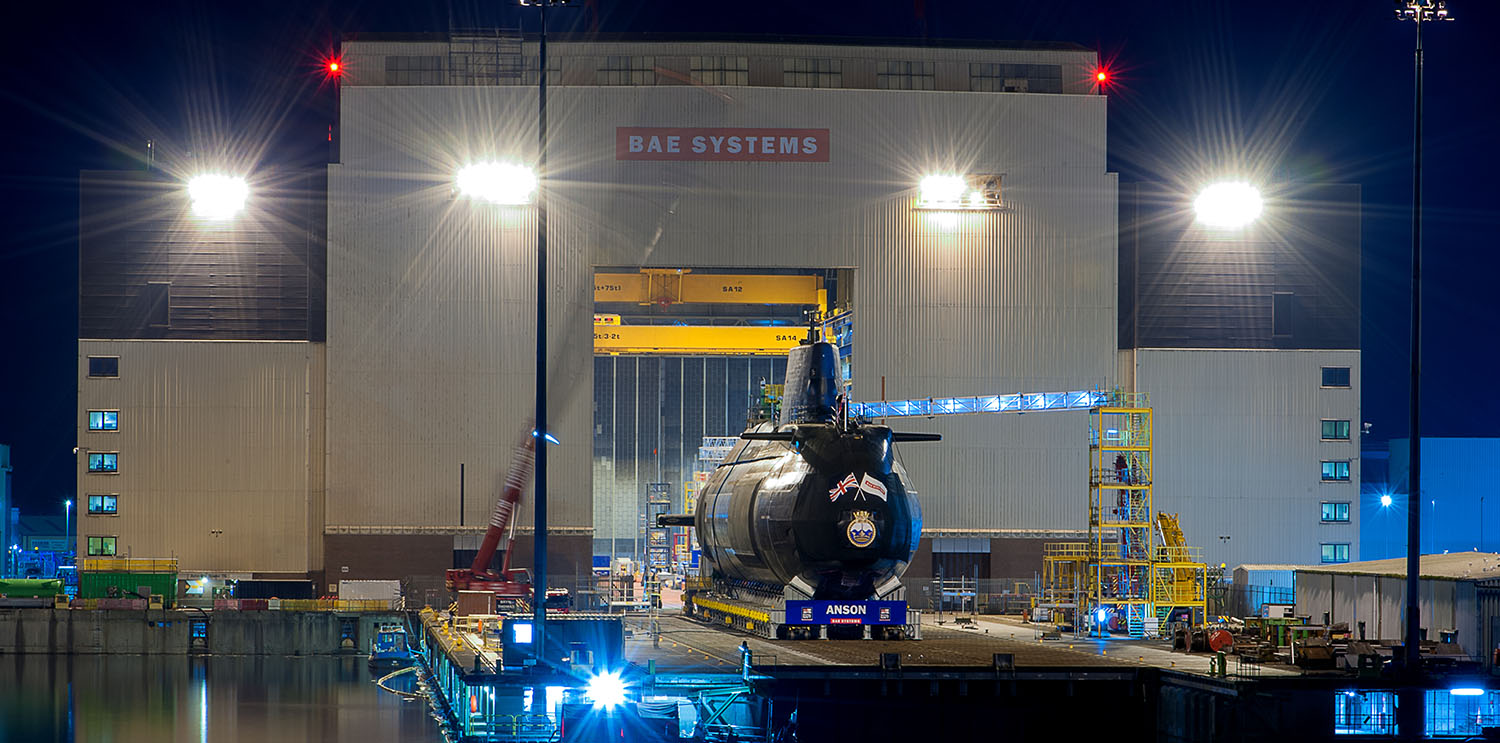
(721, 144)
(846, 612)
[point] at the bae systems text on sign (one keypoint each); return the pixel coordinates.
(721, 144)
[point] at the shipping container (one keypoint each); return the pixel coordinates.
(370, 590)
(29, 588)
(99, 585)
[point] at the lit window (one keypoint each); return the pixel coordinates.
(899, 75)
(104, 420)
(622, 70)
(720, 70)
(104, 461)
(104, 505)
(988, 77)
(104, 366)
(1336, 471)
(1336, 552)
(1335, 513)
(1334, 430)
(1335, 376)
(102, 546)
(812, 72)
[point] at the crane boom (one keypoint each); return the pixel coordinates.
(478, 575)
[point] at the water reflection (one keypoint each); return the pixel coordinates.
(129, 699)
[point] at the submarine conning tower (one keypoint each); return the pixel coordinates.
(811, 392)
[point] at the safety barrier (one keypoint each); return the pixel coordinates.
(129, 565)
(349, 605)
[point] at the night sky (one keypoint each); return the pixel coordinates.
(1301, 92)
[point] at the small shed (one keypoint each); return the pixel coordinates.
(1458, 592)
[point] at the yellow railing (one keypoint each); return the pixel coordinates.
(129, 565)
(1067, 551)
(335, 605)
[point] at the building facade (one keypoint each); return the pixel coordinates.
(365, 432)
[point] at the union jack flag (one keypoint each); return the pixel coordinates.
(848, 482)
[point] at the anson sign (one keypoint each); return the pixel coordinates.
(721, 144)
(846, 612)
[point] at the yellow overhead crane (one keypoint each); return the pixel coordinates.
(679, 286)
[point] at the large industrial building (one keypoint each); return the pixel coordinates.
(330, 384)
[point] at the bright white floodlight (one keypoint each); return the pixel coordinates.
(218, 196)
(497, 183)
(1228, 205)
(935, 190)
(607, 690)
(1385, 501)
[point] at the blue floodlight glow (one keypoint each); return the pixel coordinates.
(548, 437)
(1385, 501)
(606, 690)
(520, 632)
(1467, 691)
(1100, 615)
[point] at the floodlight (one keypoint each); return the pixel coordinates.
(942, 189)
(544, 436)
(1228, 205)
(606, 690)
(1100, 615)
(218, 196)
(1466, 692)
(498, 183)
(1385, 501)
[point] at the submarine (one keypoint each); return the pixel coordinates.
(811, 510)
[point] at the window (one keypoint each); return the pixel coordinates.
(1336, 552)
(1335, 376)
(104, 420)
(1281, 313)
(104, 505)
(157, 299)
(1335, 513)
(425, 70)
(102, 546)
(1334, 430)
(104, 366)
(1336, 471)
(627, 71)
(987, 77)
(720, 70)
(810, 72)
(898, 75)
(104, 461)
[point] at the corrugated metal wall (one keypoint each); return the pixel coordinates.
(219, 453)
(1380, 602)
(430, 345)
(1238, 449)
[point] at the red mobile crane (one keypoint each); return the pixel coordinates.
(510, 584)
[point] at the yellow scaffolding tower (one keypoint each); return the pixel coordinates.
(1136, 570)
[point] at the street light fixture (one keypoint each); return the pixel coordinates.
(1228, 205)
(1419, 12)
(68, 522)
(217, 196)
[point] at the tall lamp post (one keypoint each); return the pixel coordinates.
(68, 522)
(539, 538)
(1419, 12)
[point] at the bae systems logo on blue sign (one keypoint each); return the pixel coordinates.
(846, 612)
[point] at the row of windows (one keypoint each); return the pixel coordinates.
(627, 71)
(720, 70)
(1015, 78)
(808, 72)
(899, 75)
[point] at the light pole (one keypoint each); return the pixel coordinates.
(68, 522)
(1419, 12)
(539, 529)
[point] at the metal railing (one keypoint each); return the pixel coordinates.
(129, 565)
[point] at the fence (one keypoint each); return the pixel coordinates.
(982, 596)
(1242, 600)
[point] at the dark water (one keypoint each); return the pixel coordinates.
(141, 699)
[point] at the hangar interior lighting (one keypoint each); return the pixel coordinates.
(498, 183)
(1466, 692)
(218, 196)
(606, 690)
(1228, 205)
(1385, 501)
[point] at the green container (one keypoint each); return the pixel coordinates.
(29, 588)
(97, 585)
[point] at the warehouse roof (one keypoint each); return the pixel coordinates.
(1451, 566)
(681, 38)
(1253, 568)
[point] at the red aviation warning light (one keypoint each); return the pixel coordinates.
(1101, 75)
(333, 67)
